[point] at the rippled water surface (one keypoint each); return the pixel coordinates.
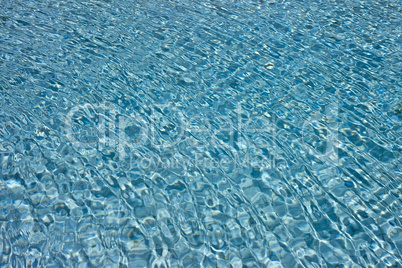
(196, 133)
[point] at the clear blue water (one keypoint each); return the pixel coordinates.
(200, 133)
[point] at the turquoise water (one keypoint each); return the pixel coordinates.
(200, 133)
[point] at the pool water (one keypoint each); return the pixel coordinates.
(200, 133)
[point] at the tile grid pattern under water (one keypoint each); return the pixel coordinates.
(200, 133)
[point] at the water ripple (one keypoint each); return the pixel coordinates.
(200, 134)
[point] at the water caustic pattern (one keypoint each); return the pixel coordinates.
(200, 133)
